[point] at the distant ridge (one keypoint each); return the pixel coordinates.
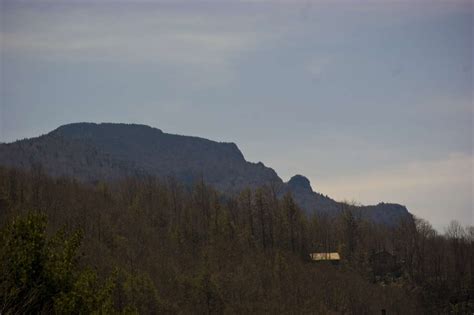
(91, 152)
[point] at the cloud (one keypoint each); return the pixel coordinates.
(154, 37)
(193, 43)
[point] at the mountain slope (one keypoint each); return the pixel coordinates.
(92, 152)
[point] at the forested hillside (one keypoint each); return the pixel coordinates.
(152, 245)
(92, 153)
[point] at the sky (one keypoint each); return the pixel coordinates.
(371, 100)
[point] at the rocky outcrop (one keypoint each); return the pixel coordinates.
(92, 152)
(299, 182)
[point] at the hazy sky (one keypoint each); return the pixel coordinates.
(371, 100)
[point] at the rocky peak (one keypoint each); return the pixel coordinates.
(299, 182)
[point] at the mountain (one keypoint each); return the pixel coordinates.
(91, 152)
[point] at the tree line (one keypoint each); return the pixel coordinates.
(150, 246)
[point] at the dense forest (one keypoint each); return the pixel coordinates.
(148, 245)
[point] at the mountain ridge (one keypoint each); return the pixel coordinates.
(109, 151)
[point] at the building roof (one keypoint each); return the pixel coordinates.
(325, 256)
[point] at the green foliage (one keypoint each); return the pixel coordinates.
(86, 296)
(140, 295)
(25, 280)
(40, 274)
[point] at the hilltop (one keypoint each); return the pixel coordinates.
(93, 152)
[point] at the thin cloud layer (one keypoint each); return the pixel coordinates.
(118, 35)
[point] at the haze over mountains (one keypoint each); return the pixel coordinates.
(92, 152)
